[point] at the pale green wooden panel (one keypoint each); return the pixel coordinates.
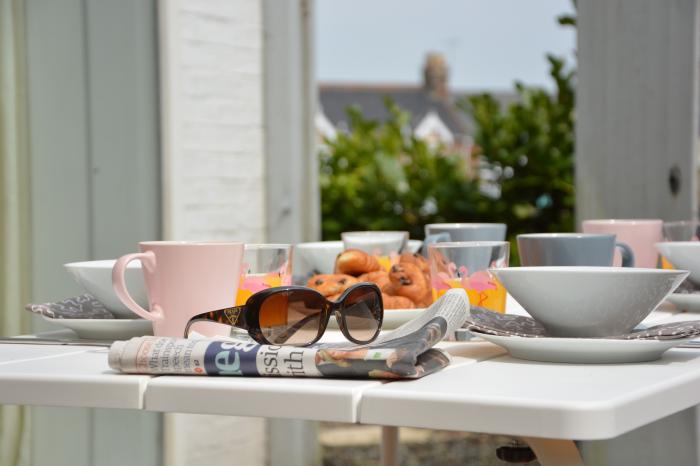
(58, 132)
(636, 108)
(92, 68)
(123, 121)
(293, 195)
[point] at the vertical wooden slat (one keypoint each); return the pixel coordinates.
(60, 221)
(58, 143)
(94, 176)
(636, 108)
(637, 117)
(126, 437)
(121, 51)
(293, 199)
(123, 120)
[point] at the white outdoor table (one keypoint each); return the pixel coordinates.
(333, 400)
(66, 376)
(505, 395)
(536, 401)
(484, 390)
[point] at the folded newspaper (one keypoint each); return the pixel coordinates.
(407, 352)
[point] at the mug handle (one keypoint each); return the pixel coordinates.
(627, 254)
(148, 260)
(432, 239)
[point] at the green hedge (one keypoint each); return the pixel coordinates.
(378, 176)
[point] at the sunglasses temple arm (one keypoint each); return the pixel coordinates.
(233, 316)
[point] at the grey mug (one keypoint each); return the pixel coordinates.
(571, 249)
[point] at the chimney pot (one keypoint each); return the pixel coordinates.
(435, 76)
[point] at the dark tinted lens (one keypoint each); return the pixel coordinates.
(291, 318)
(362, 311)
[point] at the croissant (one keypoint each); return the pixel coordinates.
(397, 302)
(415, 259)
(355, 262)
(378, 277)
(331, 284)
(409, 281)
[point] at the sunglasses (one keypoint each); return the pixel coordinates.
(296, 315)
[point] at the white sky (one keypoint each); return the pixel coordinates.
(488, 43)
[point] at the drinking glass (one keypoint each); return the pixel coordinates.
(466, 264)
(264, 266)
(683, 230)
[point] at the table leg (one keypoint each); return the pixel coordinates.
(390, 446)
(555, 452)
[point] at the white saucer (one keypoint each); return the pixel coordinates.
(685, 301)
(106, 329)
(583, 350)
(393, 318)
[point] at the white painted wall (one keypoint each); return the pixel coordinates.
(213, 173)
(433, 130)
(212, 133)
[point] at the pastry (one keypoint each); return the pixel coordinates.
(380, 278)
(397, 302)
(331, 284)
(415, 259)
(355, 262)
(405, 286)
(409, 282)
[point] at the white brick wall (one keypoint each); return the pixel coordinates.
(214, 161)
(213, 173)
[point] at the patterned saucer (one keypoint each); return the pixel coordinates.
(106, 329)
(525, 338)
(90, 319)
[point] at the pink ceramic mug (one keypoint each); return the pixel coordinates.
(639, 234)
(183, 279)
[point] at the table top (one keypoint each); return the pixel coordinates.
(502, 395)
(66, 376)
(483, 390)
(332, 400)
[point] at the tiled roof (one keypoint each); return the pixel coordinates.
(336, 98)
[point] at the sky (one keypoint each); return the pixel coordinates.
(488, 44)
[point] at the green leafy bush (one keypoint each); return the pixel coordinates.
(380, 177)
(529, 147)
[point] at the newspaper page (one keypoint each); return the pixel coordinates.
(407, 352)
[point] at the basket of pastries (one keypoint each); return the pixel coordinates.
(406, 285)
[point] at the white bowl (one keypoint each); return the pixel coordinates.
(96, 278)
(381, 243)
(317, 257)
(683, 255)
(589, 301)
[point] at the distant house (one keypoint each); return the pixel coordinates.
(434, 116)
(432, 105)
